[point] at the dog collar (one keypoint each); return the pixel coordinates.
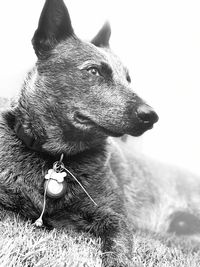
(28, 141)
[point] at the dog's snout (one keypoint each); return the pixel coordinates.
(147, 114)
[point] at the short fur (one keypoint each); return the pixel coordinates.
(77, 95)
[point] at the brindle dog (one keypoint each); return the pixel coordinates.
(77, 95)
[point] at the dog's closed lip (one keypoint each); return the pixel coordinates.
(109, 132)
(85, 120)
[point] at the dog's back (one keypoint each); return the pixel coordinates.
(159, 197)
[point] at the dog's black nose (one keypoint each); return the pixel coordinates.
(147, 114)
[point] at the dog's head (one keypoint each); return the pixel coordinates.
(83, 87)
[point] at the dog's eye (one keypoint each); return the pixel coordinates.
(94, 71)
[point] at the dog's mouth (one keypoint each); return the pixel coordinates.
(109, 132)
(86, 123)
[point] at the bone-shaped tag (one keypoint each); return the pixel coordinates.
(58, 176)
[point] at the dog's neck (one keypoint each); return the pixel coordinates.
(39, 142)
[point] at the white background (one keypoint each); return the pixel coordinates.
(158, 40)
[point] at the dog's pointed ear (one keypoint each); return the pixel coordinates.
(103, 36)
(54, 26)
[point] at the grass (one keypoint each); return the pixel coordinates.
(23, 245)
(166, 251)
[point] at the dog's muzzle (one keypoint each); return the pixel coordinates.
(135, 122)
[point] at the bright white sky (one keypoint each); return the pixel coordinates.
(158, 40)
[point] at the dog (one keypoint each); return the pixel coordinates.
(57, 142)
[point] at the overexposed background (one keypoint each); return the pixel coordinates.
(158, 40)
